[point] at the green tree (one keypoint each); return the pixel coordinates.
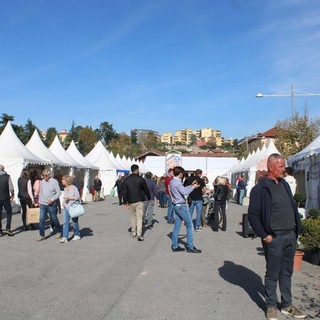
(122, 145)
(106, 132)
(87, 140)
(17, 129)
(50, 135)
(295, 133)
(150, 141)
(28, 130)
(73, 134)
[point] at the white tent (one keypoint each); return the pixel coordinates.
(57, 149)
(100, 157)
(210, 166)
(255, 162)
(36, 146)
(15, 156)
(307, 172)
(90, 169)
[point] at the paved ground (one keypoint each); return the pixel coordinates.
(108, 275)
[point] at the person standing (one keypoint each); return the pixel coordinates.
(118, 184)
(134, 191)
(178, 193)
(221, 192)
(196, 200)
(97, 184)
(148, 205)
(71, 195)
(241, 186)
(6, 195)
(288, 176)
(49, 195)
(274, 217)
(162, 192)
(168, 178)
(25, 195)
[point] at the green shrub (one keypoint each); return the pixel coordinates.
(299, 197)
(314, 213)
(310, 237)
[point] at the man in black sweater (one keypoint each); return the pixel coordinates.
(134, 190)
(6, 194)
(274, 217)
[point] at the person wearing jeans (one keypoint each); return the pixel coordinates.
(49, 194)
(168, 178)
(196, 197)
(274, 217)
(70, 196)
(178, 193)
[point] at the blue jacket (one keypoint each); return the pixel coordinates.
(259, 211)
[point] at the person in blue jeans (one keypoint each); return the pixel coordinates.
(168, 178)
(49, 194)
(195, 197)
(178, 193)
(71, 194)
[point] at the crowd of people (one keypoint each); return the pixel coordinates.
(272, 213)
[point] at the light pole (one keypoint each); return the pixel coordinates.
(292, 94)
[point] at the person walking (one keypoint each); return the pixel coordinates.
(178, 193)
(118, 185)
(148, 205)
(25, 195)
(70, 196)
(6, 195)
(134, 190)
(97, 184)
(49, 194)
(274, 217)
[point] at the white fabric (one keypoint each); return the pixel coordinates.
(36, 146)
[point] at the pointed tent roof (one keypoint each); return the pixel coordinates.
(62, 154)
(100, 157)
(309, 150)
(36, 146)
(75, 154)
(115, 161)
(11, 147)
(261, 164)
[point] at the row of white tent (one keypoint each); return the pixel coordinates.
(15, 156)
(306, 166)
(254, 165)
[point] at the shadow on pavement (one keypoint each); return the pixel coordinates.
(246, 279)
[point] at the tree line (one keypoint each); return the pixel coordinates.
(292, 135)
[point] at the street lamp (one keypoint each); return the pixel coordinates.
(292, 94)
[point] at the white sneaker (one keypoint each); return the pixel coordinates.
(75, 238)
(63, 240)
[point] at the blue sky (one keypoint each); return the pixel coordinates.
(158, 64)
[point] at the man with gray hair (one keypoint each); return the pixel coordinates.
(6, 195)
(274, 217)
(49, 195)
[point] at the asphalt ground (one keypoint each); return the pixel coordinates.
(109, 275)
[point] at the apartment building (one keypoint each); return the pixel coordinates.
(189, 136)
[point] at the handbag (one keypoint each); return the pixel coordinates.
(76, 210)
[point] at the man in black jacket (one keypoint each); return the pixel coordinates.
(134, 190)
(6, 194)
(274, 217)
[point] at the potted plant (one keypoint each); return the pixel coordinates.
(310, 236)
(300, 198)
